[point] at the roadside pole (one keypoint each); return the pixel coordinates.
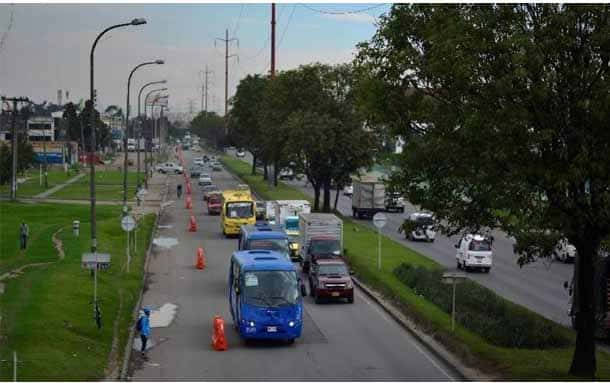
(128, 224)
(14, 366)
(453, 278)
(379, 220)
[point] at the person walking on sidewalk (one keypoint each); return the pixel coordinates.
(179, 190)
(143, 326)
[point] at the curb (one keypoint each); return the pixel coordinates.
(132, 330)
(431, 345)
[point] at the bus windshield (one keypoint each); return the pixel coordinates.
(279, 245)
(270, 288)
(239, 210)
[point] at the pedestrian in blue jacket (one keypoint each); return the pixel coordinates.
(143, 327)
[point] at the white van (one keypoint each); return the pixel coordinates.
(474, 252)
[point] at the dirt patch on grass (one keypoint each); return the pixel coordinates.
(114, 364)
(58, 244)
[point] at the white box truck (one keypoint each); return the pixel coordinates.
(321, 236)
(286, 213)
(368, 198)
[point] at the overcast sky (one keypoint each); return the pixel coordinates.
(44, 48)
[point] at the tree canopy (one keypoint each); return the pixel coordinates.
(506, 112)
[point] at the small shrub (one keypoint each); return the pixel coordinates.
(483, 312)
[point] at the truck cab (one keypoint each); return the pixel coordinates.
(474, 252)
(330, 278)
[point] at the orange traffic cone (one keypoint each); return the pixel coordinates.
(192, 224)
(200, 259)
(219, 342)
(188, 187)
(188, 202)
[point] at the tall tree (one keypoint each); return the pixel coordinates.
(510, 110)
(210, 126)
(71, 122)
(245, 129)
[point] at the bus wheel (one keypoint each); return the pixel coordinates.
(290, 341)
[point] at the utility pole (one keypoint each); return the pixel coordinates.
(204, 90)
(14, 143)
(227, 40)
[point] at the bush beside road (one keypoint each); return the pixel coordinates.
(47, 315)
(473, 349)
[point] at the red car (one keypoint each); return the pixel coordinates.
(214, 204)
(330, 278)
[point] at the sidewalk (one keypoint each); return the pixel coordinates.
(54, 189)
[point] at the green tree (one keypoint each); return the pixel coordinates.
(71, 122)
(244, 125)
(5, 163)
(506, 109)
(211, 127)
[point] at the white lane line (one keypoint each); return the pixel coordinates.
(411, 338)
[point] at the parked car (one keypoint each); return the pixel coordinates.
(205, 179)
(330, 278)
(214, 203)
(209, 189)
(348, 190)
(474, 252)
(564, 251)
(169, 167)
(196, 171)
(240, 153)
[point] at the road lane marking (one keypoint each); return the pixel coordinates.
(413, 340)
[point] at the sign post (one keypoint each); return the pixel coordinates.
(379, 220)
(128, 224)
(453, 278)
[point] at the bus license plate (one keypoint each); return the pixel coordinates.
(271, 328)
(335, 293)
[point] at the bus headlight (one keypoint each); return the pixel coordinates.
(291, 324)
(251, 324)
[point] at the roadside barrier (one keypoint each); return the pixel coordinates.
(200, 259)
(219, 342)
(192, 224)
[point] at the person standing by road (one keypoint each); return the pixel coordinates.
(24, 233)
(179, 190)
(143, 327)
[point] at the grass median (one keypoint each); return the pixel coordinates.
(108, 186)
(472, 348)
(47, 315)
(34, 185)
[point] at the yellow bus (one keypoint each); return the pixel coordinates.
(237, 210)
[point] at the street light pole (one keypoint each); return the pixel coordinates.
(91, 157)
(125, 168)
(161, 115)
(147, 144)
(140, 131)
(92, 122)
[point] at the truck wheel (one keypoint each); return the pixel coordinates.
(402, 209)
(316, 298)
(487, 269)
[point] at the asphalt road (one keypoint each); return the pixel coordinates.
(340, 341)
(537, 286)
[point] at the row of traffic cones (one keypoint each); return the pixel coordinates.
(219, 340)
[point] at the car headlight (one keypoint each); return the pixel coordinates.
(348, 285)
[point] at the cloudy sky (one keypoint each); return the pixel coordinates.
(44, 48)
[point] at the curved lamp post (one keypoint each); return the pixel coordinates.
(125, 168)
(140, 130)
(91, 157)
(146, 146)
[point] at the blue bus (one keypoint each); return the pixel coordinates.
(263, 236)
(264, 296)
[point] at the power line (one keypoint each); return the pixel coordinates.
(286, 26)
(343, 12)
(8, 29)
(238, 20)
